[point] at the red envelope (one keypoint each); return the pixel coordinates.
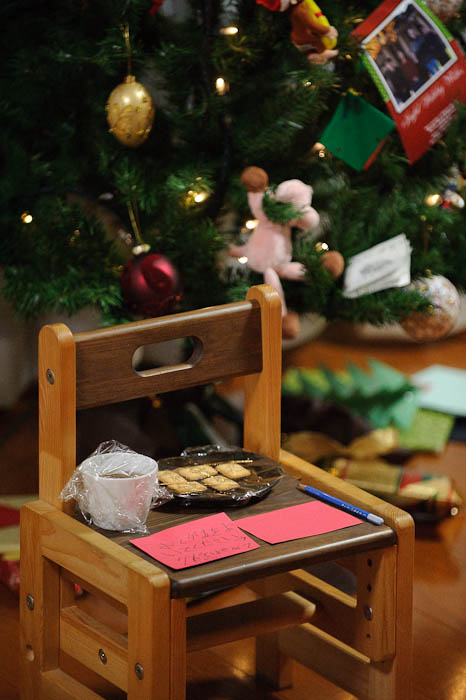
(304, 520)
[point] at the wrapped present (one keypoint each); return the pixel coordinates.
(345, 405)
(313, 446)
(428, 497)
(9, 539)
(429, 431)
(9, 574)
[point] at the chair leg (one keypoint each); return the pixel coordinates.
(384, 680)
(39, 608)
(178, 650)
(386, 600)
(392, 679)
(272, 666)
(149, 633)
(389, 680)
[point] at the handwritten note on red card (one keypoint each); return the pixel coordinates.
(304, 520)
(196, 542)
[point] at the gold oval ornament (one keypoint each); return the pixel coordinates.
(130, 112)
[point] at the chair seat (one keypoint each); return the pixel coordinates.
(268, 559)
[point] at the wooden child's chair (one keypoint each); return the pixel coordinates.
(131, 632)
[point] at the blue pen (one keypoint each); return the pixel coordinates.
(354, 510)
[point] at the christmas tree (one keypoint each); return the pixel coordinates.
(143, 212)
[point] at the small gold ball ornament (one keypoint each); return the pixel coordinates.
(130, 112)
(321, 247)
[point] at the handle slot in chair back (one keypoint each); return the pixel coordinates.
(104, 367)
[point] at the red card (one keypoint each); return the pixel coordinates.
(197, 542)
(304, 520)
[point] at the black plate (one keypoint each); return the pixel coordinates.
(265, 473)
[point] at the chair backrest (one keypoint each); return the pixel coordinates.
(94, 368)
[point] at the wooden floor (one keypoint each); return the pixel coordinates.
(440, 559)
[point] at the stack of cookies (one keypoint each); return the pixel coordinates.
(222, 477)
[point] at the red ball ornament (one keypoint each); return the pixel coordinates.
(150, 285)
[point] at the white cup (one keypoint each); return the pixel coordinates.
(117, 489)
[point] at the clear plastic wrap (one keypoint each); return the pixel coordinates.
(252, 476)
(115, 487)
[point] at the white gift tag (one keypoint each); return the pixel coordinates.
(383, 266)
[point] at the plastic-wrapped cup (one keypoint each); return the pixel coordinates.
(117, 489)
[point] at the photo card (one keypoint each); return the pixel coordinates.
(418, 67)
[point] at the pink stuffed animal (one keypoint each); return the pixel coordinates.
(269, 248)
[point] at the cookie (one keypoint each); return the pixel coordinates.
(220, 483)
(188, 487)
(197, 472)
(169, 477)
(233, 470)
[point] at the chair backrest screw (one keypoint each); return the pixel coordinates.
(368, 612)
(139, 671)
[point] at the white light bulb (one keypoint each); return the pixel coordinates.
(229, 31)
(432, 200)
(221, 86)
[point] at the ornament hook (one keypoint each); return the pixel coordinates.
(133, 211)
(125, 29)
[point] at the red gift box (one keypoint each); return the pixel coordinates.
(9, 539)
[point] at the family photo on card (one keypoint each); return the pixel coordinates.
(409, 52)
(418, 68)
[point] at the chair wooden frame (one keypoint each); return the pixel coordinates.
(130, 631)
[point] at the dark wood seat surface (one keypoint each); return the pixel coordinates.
(267, 559)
